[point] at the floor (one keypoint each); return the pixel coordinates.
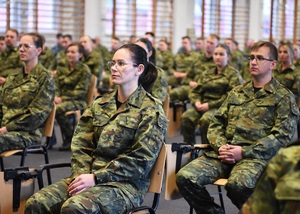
(179, 206)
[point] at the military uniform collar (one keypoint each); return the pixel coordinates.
(136, 99)
(270, 87)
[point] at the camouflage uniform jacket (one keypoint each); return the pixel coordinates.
(160, 86)
(277, 190)
(290, 78)
(95, 63)
(183, 61)
(120, 146)
(213, 88)
(10, 60)
(198, 68)
(46, 58)
(165, 60)
(27, 101)
(73, 85)
(260, 122)
(59, 60)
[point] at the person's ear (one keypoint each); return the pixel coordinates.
(273, 64)
(140, 69)
(39, 51)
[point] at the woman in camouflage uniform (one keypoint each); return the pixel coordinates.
(114, 147)
(209, 95)
(72, 83)
(26, 99)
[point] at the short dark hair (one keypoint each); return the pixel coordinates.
(58, 35)
(79, 45)
(273, 54)
(13, 30)
(150, 33)
(69, 36)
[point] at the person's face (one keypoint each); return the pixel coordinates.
(220, 57)
(210, 45)
(27, 49)
(162, 46)
(260, 68)
(284, 54)
(86, 43)
(2, 45)
(11, 39)
(66, 41)
(73, 55)
(124, 72)
(60, 40)
(199, 44)
(229, 43)
(186, 45)
(143, 45)
(115, 44)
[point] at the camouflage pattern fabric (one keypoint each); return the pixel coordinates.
(290, 78)
(245, 71)
(165, 60)
(120, 146)
(72, 87)
(237, 59)
(25, 105)
(95, 62)
(46, 58)
(277, 190)
(182, 63)
(202, 64)
(9, 61)
(212, 89)
(261, 122)
(59, 60)
(160, 86)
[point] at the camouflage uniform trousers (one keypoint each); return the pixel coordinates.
(64, 121)
(180, 93)
(100, 199)
(16, 140)
(190, 119)
(193, 177)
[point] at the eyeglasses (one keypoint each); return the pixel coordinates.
(25, 46)
(258, 58)
(119, 64)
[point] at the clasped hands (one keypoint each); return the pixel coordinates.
(202, 107)
(230, 153)
(81, 183)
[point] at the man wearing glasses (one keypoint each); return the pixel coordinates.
(254, 122)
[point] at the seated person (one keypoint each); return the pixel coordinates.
(115, 145)
(254, 122)
(209, 94)
(277, 190)
(26, 99)
(72, 83)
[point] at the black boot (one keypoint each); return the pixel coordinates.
(66, 146)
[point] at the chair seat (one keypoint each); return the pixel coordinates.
(220, 182)
(10, 153)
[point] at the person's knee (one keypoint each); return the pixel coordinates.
(238, 192)
(182, 178)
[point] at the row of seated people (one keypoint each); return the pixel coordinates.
(116, 142)
(243, 132)
(207, 90)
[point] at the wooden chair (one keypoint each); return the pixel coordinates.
(91, 95)
(155, 184)
(174, 162)
(156, 179)
(166, 105)
(35, 149)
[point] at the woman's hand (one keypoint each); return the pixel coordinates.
(3, 130)
(81, 183)
(57, 100)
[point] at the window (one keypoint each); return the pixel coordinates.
(45, 17)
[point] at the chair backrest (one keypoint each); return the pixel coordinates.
(91, 90)
(157, 172)
(49, 124)
(166, 105)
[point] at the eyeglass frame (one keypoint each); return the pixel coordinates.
(119, 64)
(258, 58)
(25, 46)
